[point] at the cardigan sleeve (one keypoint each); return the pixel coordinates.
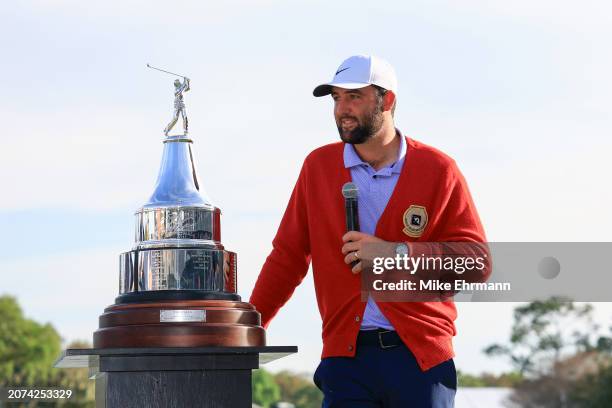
(288, 262)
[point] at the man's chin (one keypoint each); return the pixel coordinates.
(352, 137)
(349, 140)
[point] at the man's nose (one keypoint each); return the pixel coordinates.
(343, 108)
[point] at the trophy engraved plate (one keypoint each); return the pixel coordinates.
(178, 283)
(182, 315)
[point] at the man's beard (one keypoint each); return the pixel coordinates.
(362, 132)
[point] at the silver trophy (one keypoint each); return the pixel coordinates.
(177, 286)
(178, 334)
(178, 231)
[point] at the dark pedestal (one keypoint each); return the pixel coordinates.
(200, 377)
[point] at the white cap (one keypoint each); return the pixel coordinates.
(360, 71)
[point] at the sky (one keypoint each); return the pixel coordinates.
(518, 93)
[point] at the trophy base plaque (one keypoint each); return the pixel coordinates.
(180, 323)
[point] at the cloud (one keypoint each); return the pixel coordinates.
(147, 12)
(568, 13)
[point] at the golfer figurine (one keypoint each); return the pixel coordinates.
(179, 105)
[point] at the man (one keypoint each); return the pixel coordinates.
(385, 354)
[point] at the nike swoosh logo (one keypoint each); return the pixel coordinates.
(340, 70)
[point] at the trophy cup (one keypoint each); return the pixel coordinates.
(178, 286)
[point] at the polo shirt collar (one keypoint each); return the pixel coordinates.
(352, 159)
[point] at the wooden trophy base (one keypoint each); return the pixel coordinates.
(180, 323)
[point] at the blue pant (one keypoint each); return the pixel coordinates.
(385, 378)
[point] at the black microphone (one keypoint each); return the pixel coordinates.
(350, 193)
(351, 209)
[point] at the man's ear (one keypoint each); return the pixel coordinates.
(388, 101)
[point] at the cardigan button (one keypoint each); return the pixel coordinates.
(350, 348)
(357, 318)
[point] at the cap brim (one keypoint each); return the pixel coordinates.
(326, 89)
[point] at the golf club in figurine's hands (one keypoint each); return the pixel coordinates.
(179, 105)
(177, 286)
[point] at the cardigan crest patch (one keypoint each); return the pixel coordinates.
(415, 221)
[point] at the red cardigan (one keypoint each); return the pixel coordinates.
(312, 229)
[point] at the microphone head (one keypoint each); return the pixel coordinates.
(349, 190)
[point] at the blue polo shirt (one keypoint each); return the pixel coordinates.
(375, 189)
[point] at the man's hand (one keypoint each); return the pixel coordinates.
(353, 248)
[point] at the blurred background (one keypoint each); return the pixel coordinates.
(518, 93)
